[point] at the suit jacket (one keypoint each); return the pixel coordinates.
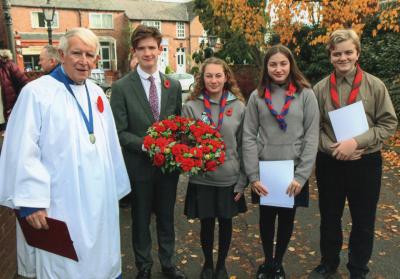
(133, 116)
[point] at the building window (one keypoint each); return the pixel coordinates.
(31, 63)
(203, 38)
(152, 23)
(105, 56)
(100, 21)
(38, 20)
(180, 30)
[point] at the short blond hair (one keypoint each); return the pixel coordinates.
(87, 36)
(341, 35)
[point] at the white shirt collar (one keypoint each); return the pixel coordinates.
(145, 76)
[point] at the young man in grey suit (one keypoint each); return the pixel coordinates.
(139, 99)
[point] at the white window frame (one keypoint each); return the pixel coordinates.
(180, 30)
(152, 23)
(101, 20)
(109, 60)
(112, 53)
(35, 23)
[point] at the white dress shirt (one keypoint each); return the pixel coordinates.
(146, 83)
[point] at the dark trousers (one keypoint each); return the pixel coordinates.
(155, 193)
(360, 182)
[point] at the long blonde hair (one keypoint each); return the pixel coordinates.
(230, 84)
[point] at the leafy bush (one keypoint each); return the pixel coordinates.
(168, 70)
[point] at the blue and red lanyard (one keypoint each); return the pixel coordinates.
(280, 117)
(222, 105)
(355, 88)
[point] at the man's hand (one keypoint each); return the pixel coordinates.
(38, 219)
(294, 188)
(238, 196)
(343, 150)
(259, 188)
(357, 154)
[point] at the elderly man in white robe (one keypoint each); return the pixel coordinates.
(61, 158)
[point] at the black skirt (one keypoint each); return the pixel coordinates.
(302, 199)
(203, 201)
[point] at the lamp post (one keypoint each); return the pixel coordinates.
(9, 27)
(48, 12)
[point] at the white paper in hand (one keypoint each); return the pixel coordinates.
(349, 121)
(277, 176)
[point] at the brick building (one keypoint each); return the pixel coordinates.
(112, 21)
(181, 29)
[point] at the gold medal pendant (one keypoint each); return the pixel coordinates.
(92, 138)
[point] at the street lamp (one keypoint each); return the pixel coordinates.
(48, 12)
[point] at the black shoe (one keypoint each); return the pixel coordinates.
(173, 273)
(357, 276)
(264, 271)
(278, 273)
(207, 273)
(144, 273)
(322, 271)
(221, 273)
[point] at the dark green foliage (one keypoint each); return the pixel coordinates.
(380, 55)
(313, 61)
(194, 70)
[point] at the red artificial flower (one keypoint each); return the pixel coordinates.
(179, 149)
(187, 164)
(206, 149)
(159, 159)
(148, 142)
(197, 152)
(167, 83)
(170, 125)
(100, 105)
(159, 128)
(221, 158)
(162, 143)
(229, 112)
(211, 165)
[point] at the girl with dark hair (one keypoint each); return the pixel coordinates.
(281, 123)
(217, 100)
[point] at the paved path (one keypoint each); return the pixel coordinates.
(246, 253)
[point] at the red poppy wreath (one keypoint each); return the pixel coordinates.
(184, 145)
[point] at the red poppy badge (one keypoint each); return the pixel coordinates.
(229, 112)
(167, 83)
(100, 104)
(291, 93)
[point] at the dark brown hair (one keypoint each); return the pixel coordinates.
(142, 32)
(295, 74)
(230, 84)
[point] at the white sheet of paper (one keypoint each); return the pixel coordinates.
(349, 121)
(276, 176)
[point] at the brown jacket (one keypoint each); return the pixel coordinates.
(378, 107)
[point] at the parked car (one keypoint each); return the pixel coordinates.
(97, 75)
(186, 80)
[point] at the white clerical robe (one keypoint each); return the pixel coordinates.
(47, 161)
